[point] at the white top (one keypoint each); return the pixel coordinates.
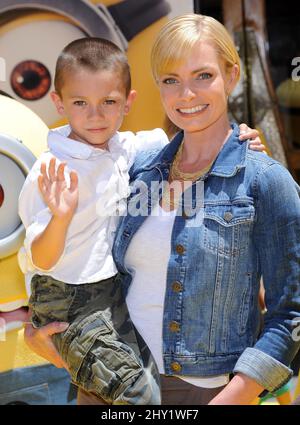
(103, 188)
(147, 258)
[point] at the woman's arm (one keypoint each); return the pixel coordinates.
(277, 240)
(240, 390)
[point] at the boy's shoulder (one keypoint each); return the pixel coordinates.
(143, 140)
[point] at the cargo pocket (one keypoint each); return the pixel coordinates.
(98, 359)
(50, 300)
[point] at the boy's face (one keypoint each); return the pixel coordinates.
(94, 104)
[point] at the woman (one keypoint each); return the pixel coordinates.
(192, 263)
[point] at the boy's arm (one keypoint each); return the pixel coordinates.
(46, 234)
(48, 246)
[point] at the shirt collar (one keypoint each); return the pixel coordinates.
(59, 142)
(229, 161)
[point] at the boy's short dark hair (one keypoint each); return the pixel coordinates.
(93, 54)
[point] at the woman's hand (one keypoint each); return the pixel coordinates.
(61, 199)
(240, 390)
(39, 341)
(250, 133)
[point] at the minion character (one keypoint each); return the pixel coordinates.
(25, 378)
(33, 33)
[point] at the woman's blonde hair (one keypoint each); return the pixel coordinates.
(178, 37)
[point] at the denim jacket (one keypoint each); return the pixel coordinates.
(250, 229)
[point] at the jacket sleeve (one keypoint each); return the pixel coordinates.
(277, 238)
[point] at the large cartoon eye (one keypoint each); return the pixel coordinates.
(30, 80)
(15, 162)
(30, 46)
(37, 31)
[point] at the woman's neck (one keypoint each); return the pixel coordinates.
(202, 147)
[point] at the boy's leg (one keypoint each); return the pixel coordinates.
(103, 351)
(50, 300)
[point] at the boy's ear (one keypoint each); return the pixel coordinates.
(130, 99)
(56, 99)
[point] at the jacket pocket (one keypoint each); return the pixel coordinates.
(228, 227)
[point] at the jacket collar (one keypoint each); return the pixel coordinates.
(229, 161)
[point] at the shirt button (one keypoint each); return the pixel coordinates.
(176, 367)
(174, 327)
(180, 249)
(176, 286)
(228, 216)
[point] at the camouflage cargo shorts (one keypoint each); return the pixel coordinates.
(104, 352)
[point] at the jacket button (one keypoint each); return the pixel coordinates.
(174, 326)
(176, 286)
(176, 367)
(180, 249)
(228, 216)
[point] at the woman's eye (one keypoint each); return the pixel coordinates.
(169, 81)
(204, 76)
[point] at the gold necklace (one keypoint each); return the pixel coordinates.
(172, 200)
(176, 174)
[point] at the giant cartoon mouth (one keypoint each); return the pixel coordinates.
(16, 160)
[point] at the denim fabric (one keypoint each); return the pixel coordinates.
(35, 385)
(103, 351)
(250, 228)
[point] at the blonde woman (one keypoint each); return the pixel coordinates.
(206, 219)
(194, 299)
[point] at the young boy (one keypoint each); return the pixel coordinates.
(70, 226)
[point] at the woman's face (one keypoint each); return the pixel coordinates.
(194, 95)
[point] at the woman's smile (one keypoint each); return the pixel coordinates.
(195, 110)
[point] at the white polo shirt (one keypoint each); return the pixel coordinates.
(103, 188)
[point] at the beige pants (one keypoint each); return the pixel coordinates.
(175, 391)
